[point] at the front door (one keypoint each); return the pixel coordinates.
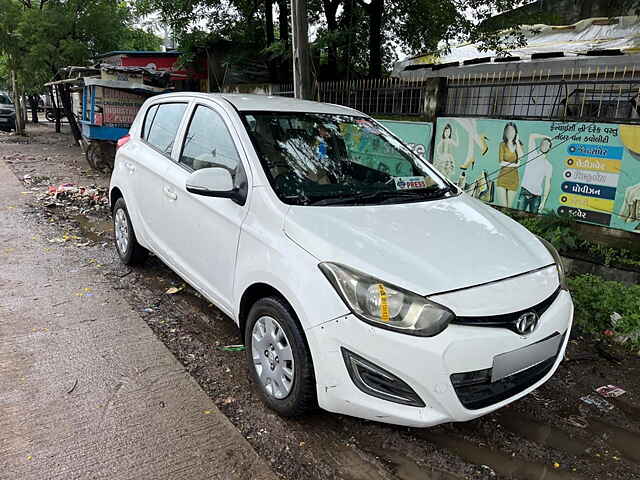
(206, 233)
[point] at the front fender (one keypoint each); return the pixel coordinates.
(266, 255)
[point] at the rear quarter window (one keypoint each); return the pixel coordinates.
(148, 120)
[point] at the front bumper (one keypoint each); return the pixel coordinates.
(425, 364)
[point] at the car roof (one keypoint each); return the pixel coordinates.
(269, 103)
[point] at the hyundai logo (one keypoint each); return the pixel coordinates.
(526, 323)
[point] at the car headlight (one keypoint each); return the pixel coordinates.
(557, 260)
(385, 305)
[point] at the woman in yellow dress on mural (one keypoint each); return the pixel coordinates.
(509, 155)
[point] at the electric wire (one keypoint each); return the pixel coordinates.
(526, 154)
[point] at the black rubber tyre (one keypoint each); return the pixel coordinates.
(91, 154)
(133, 252)
(302, 398)
(100, 155)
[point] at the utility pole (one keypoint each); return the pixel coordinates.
(302, 82)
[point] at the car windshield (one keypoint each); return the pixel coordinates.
(4, 100)
(330, 159)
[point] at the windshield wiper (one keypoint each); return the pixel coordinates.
(366, 197)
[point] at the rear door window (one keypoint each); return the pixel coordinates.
(162, 130)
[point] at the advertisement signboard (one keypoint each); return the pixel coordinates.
(119, 107)
(415, 134)
(588, 170)
(366, 148)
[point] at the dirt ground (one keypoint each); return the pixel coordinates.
(550, 434)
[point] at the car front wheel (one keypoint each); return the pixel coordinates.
(279, 359)
(129, 250)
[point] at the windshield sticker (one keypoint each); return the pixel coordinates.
(410, 183)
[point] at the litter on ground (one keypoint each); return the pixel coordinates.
(610, 391)
(174, 290)
(232, 348)
(599, 403)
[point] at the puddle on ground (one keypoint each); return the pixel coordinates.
(542, 434)
(93, 229)
(500, 463)
(406, 469)
(628, 443)
(348, 462)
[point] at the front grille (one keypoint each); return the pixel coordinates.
(507, 320)
(477, 395)
(5, 111)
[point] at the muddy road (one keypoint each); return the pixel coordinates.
(550, 434)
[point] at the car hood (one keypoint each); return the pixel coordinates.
(427, 247)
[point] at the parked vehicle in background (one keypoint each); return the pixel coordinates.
(362, 280)
(7, 113)
(50, 114)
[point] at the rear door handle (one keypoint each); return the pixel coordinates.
(170, 193)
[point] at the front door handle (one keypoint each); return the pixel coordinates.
(170, 193)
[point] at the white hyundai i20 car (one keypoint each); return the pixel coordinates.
(362, 280)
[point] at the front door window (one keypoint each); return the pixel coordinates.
(208, 143)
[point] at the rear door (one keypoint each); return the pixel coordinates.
(147, 163)
(206, 232)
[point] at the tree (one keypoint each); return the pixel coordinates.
(433, 25)
(374, 10)
(10, 51)
(358, 37)
(283, 21)
(39, 37)
(251, 27)
(330, 8)
(135, 38)
(4, 73)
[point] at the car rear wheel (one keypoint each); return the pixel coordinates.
(129, 250)
(279, 360)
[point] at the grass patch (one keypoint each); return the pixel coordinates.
(595, 301)
(563, 234)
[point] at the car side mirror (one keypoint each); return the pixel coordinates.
(214, 182)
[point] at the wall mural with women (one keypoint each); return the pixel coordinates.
(588, 170)
(373, 152)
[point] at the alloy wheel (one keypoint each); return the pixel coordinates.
(122, 230)
(272, 357)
